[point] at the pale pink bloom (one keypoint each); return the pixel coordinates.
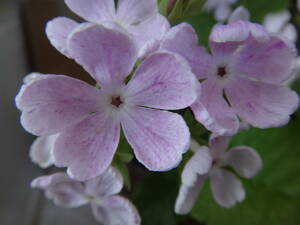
(88, 120)
(209, 163)
(243, 77)
(139, 18)
(101, 193)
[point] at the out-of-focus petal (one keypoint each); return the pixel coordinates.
(270, 62)
(94, 11)
(115, 210)
(199, 164)
(240, 13)
(218, 145)
(108, 183)
(274, 22)
(41, 151)
(87, 148)
(245, 160)
(135, 11)
(188, 195)
(260, 104)
(238, 31)
(108, 55)
(212, 110)
(222, 12)
(58, 30)
(227, 189)
(61, 189)
(158, 138)
(163, 81)
(52, 103)
(182, 39)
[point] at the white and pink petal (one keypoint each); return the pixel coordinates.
(88, 147)
(158, 138)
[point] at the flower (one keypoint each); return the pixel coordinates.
(88, 120)
(243, 78)
(221, 8)
(140, 18)
(209, 163)
(108, 207)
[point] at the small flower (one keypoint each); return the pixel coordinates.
(88, 120)
(221, 8)
(140, 18)
(243, 78)
(209, 163)
(108, 207)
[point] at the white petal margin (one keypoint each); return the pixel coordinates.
(227, 189)
(199, 164)
(41, 151)
(188, 195)
(108, 183)
(245, 160)
(58, 30)
(116, 210)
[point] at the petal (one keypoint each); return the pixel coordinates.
(182, 39)
(262, 105)
(240, 13)
(61, 189)
(227, 189)
(136, 11)
(149, 33)
(93, 10)
(199, 164)
(212, 110)
(163, 81)
(222, 12)
(116, 210)
(108, 55)
(270, 62)
(245, 160)
(188, 195)
(51, 103)
(274, 22)
(58, 30)
(87, 148)
(158, 138)
(238, 31)
(218, 145)
(108, 183)
(41, 151)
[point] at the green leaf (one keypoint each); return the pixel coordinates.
(259, 9)
(198, 132)
(273, 196)
(155, 197)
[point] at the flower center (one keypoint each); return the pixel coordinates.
(222, 71)
(116, 101)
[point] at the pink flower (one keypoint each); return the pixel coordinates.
(108, 207)
(242, 78)
(88, 120)
(209, 163)
(140, 18)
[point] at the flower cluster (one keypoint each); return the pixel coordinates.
(145, 72)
